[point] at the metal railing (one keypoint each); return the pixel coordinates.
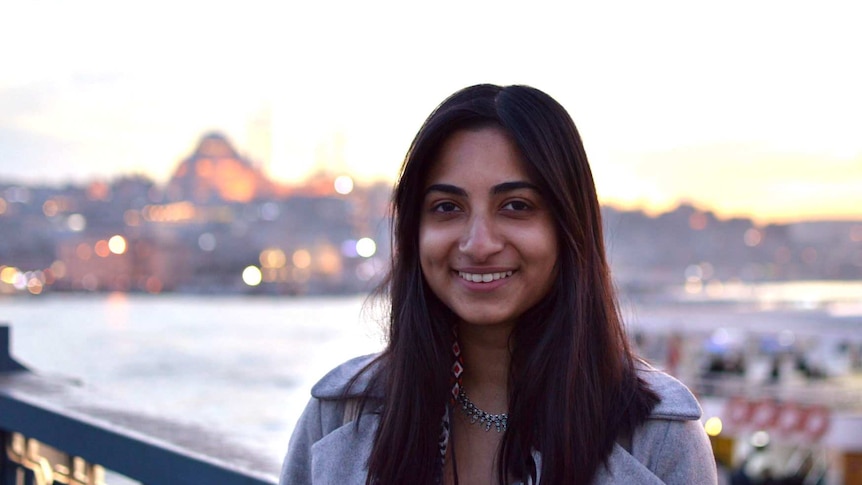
(55, 432)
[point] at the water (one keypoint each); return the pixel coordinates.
(240, 365)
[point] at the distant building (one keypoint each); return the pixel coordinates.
(216, 172)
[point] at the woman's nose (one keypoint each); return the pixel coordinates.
(481, 239)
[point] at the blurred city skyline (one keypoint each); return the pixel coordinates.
(744, 109)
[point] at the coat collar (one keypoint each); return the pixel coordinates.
(334, 385)
(677, 402)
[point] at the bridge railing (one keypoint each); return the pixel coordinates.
(53, 431)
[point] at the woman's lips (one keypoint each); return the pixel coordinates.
(484, 277)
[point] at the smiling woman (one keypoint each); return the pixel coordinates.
(499, 286)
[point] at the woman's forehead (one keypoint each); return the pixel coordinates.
(477, 156)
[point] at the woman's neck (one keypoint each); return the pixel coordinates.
(486, 354)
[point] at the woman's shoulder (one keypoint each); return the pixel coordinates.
(677, 402)
(671, 446)
(348, 380)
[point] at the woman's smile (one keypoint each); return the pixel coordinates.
(483, 277)
(487, 240)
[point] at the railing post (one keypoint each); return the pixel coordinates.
(7, 362)
(11, 473)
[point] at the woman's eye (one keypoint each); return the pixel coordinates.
(445, 207)
(516, 205)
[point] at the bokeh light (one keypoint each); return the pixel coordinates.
(76, 222)
(759, 439)
(102, 249)
(117, 244)
(272, 258)
(301, 258)
(343, 184)
(252, 276)
(8, 275)
(58, 268)
(34, 285)
(366, 247)
(50, 208)
(713, 426)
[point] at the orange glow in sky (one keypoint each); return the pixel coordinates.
(744, 108)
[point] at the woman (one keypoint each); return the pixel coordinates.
(506, 359)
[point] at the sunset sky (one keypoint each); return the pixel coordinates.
(748, 108)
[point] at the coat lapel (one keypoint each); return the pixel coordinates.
(340, 457)
(624, 468)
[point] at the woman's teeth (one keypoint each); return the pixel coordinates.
(484, 277)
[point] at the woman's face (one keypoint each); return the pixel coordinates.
(487, 242)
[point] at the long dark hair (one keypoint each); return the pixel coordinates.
(573, 387)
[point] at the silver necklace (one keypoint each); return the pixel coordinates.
(476, 415)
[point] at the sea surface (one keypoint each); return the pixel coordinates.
(244, 365)
(240, 365)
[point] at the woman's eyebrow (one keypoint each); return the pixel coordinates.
(495, 190)
(510, 186)
(446, 188)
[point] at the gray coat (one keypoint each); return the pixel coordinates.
(670, 447)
